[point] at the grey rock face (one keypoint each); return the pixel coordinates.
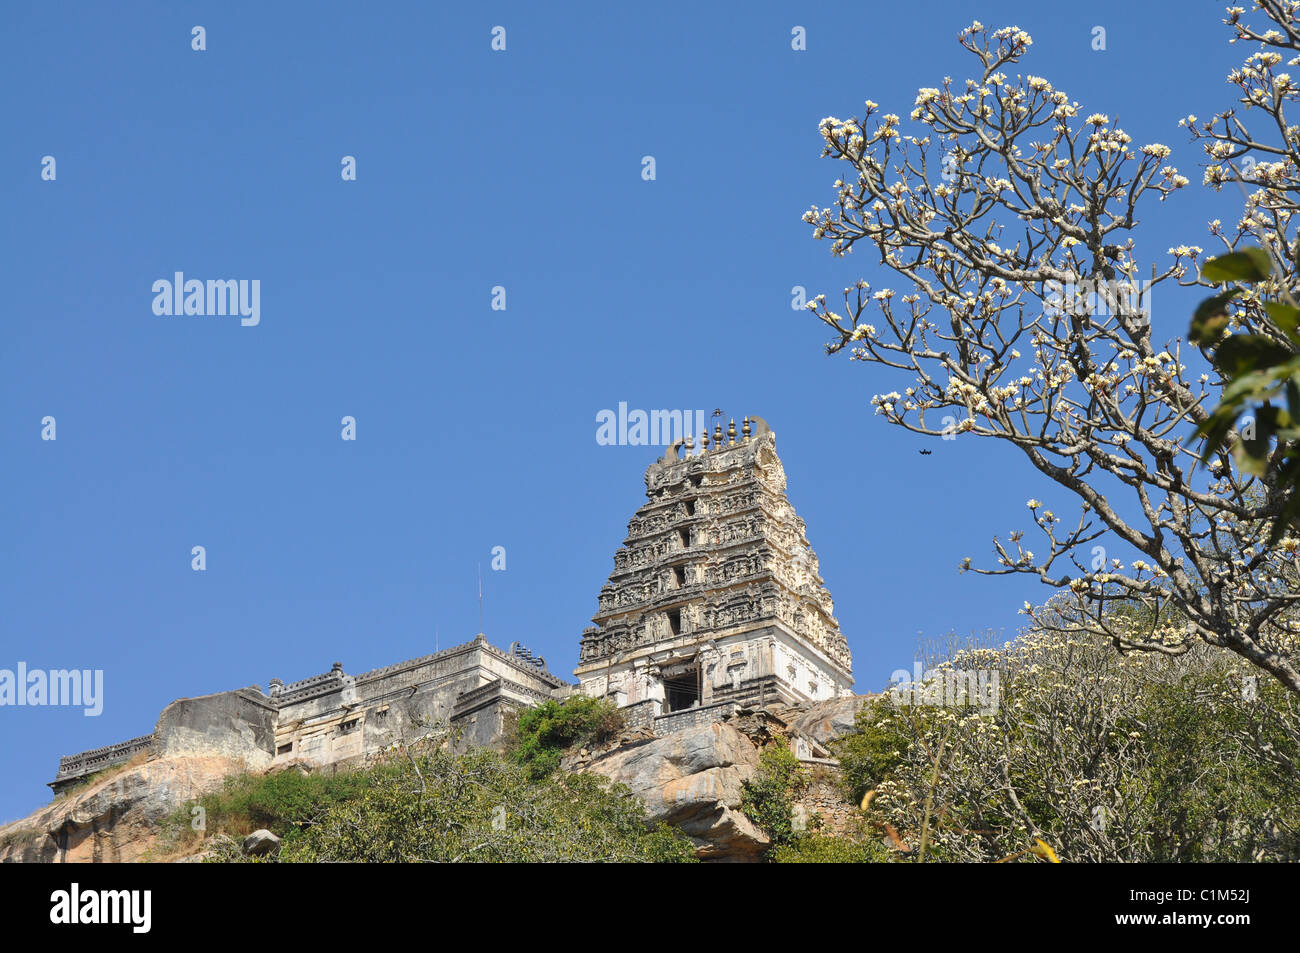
(116, 818)
(827, 720)
(238, 724)
(692, 779)
(261, 843)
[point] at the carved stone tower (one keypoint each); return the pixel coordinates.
(715, 597)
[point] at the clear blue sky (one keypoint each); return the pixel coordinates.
(476, 428)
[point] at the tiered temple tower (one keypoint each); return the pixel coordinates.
(715, 598)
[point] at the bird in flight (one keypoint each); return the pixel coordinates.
(926, 453)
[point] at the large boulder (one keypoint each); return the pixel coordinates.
(260, 843)
(692, 779)
(114, 818)
(831, 719)
(238, 725)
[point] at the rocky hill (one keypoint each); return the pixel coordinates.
(115, 816)
(691, 779)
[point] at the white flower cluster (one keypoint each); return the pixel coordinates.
(1173, 178)
(1271, 171)
(1015, 36)
(884, 403)
(1109, 140)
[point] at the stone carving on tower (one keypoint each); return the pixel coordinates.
(715, 595)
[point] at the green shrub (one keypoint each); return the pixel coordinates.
(768, 798)
(1105, 757)
(285, 803)
(425, 803)
(483, 807)
(542, 734)
(820, 849)
(873, 750)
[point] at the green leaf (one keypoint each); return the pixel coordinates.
(1250, 264)
(1244, 388)
(1270, 414)
(1248, 462)
(1252, 454)
(1249, 352)
(1215, 430)
(1285, 317)
(1210, 318)
(1289, 471)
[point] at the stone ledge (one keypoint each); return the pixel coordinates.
(97, 759)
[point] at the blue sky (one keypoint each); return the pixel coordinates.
(475, 428)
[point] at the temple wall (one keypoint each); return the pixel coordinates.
(238, 725)
(335, 718)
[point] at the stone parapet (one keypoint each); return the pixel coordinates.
(77, 766)
(693, 717)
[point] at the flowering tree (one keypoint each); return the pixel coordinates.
(1262, 359)
(1106, 758)
(1025, 318)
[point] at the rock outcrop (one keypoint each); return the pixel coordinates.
(261, 843)
(115, 818)
(692, 780)
(825, 721)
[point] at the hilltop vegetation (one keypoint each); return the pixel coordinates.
(1106, 757)
(542, 734)
(425, 802)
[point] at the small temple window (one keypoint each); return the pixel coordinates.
(682, 691)
(684, 534)
(674, 621)
(679, 573)
(284, 749)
